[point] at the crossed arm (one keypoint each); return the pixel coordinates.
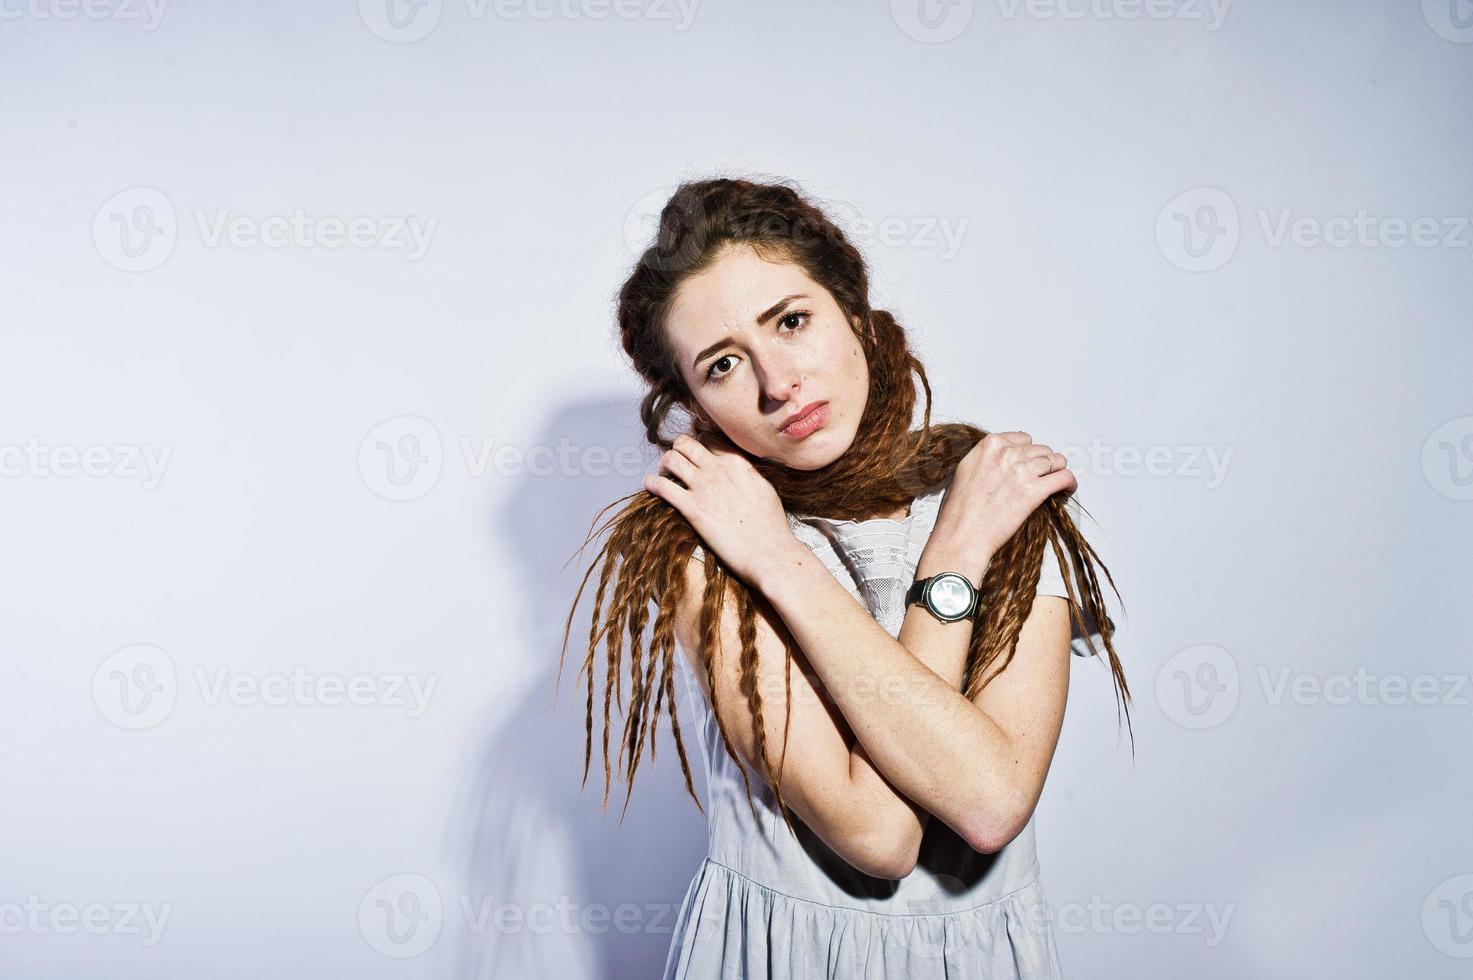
(882, 737)
(977, 766)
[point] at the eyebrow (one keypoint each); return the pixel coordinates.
(762, 318)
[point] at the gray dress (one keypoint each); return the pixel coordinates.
(766, 904)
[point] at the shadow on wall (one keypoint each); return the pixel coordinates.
(552, 885)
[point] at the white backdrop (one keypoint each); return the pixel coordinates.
(309, 388)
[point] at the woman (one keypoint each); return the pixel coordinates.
(914, 736)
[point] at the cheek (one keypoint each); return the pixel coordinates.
(725, 410)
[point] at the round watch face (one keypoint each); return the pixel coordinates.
(949, 594)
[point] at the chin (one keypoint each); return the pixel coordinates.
(811, 454)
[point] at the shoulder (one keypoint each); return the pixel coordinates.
(687, 611)
(1051, 574)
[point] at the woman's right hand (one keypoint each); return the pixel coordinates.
(733, 508)
(998, 484)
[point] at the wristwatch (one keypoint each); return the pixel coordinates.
(949, 595)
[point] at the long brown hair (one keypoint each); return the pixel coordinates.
(649, 542)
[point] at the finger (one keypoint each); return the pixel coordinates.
(1063, 479)
(1015, 438)
(1031, 451)
(1026, 457)
(717, 443)
(691, 447)
(678, 464)
(1047, 462)
(666, 489)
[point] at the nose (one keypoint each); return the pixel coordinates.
(781, 378)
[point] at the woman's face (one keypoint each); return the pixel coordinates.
(758, 343)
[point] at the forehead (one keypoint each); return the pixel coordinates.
(731, 293)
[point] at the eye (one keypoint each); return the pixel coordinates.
(711, 374)
(803, 314)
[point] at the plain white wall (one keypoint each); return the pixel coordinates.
(285, 524)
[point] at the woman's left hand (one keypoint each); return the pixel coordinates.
(733, 508)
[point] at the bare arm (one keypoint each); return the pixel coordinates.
(979, 767)
(826, 778)
(919, 744)
(940, 647)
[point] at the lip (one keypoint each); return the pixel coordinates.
(808, 420)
